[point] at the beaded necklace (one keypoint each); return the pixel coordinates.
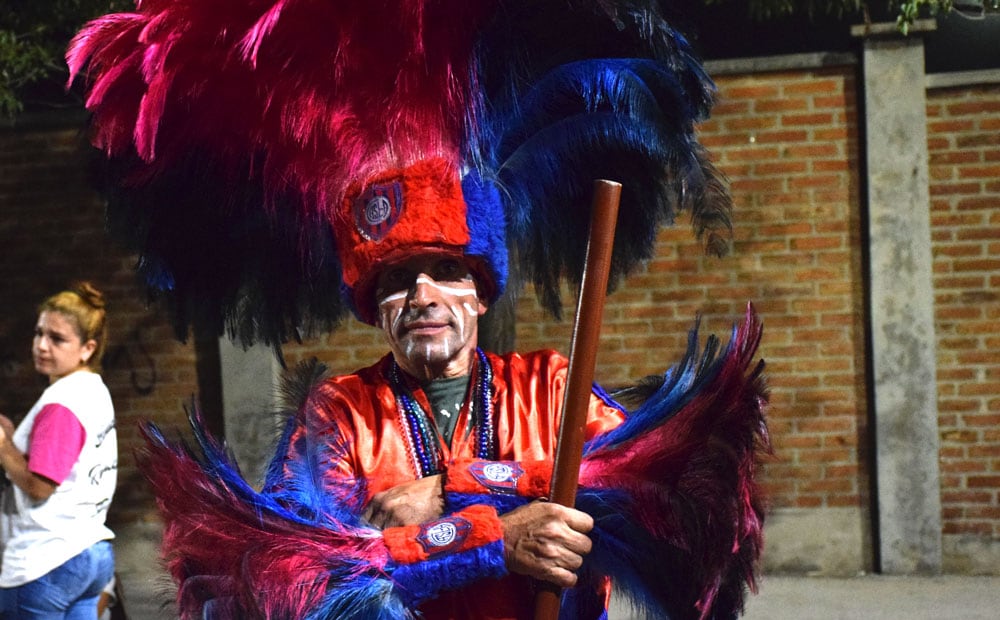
(422, 441)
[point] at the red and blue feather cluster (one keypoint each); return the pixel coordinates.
(678, 515)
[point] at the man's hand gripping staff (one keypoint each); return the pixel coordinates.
(582, 359)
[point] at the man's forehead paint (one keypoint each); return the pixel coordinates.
(458, 292)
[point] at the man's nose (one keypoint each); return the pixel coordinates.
(424, 291)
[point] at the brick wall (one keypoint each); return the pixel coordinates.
(789, 144)
(964, 146)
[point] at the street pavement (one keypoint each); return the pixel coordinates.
(877, 597)
(148, 591)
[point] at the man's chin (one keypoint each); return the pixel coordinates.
(421, 355)
(426, 350)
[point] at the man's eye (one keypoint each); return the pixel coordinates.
(395, 279)
(449, 269)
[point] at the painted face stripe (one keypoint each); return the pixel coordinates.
(458, 292)
(393, 297)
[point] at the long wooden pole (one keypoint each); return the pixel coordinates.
(582, 359)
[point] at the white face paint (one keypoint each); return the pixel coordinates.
(429, 310)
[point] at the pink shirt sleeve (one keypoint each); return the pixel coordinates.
(56, 442)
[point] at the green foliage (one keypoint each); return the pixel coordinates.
(765, 10)
(22, 62)
(908, 10)
(33, 38)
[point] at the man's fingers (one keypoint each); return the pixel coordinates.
(409, 503)
(547, 542)
(579, 544)
(373, 518)
(561, 577)
(578, 520)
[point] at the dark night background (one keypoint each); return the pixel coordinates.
(960, 43)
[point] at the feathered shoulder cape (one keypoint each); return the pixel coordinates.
(672, 491)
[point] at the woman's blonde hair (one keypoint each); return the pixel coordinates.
(84, 305)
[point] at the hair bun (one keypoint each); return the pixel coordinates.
(90, 294)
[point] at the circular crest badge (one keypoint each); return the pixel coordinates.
(498, 472)
(444, 535)
(497, 476)
(378, 209)
(441, 534)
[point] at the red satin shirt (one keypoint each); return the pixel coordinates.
(527, 402)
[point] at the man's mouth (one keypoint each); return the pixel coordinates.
(424, 326)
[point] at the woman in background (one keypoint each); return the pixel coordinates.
(61, 463)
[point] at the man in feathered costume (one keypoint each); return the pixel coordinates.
(284, 162)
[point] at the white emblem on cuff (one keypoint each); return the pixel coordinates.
(441, 534)
(498, 472)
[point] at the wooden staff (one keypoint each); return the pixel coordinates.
(582, 359)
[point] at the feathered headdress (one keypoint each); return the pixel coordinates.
(269, 155)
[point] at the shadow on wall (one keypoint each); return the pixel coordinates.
(131, 355)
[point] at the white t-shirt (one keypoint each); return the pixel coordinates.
(37, 537)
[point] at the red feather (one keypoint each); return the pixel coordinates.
(264, 552)
(322, 85)
(691, 481)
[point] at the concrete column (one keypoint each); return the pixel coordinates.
(902, 301)
(250, 381)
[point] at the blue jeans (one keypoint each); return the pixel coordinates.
(67, 592)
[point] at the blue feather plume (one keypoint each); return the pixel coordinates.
(593, 91)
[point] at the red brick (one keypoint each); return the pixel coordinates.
(810, 119)
(814, 86)
(782, 104)
(843, 501)
(950, 126)
(815, 181)
(751, 92)
(804, 501)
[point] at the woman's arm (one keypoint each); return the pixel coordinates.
(14, 463)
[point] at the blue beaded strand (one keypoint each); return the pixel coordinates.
(423, 444)
(424, 450)
(486, 447)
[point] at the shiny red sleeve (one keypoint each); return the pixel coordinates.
(530, 390)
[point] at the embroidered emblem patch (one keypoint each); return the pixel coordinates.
(378, 209)
(497, 476)
(443, 535)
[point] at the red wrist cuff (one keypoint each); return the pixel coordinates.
(529, 479)
(466, 529)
